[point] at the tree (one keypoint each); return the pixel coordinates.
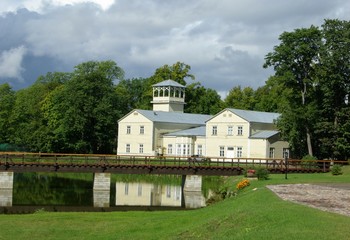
(334, 89)
(241, 98)
(83, 114)
(7, 100)
(131, 94)
(178, 72)
(202, 100)
(295, 60)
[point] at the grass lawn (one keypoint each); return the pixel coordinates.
(252, 214)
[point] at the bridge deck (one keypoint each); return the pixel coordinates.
(39, 162)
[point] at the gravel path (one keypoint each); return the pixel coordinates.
(327, 197)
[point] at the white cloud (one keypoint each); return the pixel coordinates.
(10, 63)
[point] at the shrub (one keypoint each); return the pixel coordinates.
(309, 161)
(337, 169)
(262, 174)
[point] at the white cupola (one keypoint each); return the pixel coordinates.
(168, 96)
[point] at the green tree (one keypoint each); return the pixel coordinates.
(241, 98)
(295, 59)
(7, 100)
(83, 114)
(333, 89)
(131, 94)
(202, 100)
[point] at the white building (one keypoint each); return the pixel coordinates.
(167, 130)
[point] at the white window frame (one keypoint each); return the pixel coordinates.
(239, 130)
(214, 130)
(285, 152)
(222, 151)
(127, 148)
(239, 152)
(170, 148)
(128, 129)
(229, 130)
(142, 129)
(272, 152)
(141, 148)
(200, 150)
(178, 149)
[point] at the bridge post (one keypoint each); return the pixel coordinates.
(192, 191)
(102, 183)
(6, 189)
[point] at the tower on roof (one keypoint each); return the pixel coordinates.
(168, 96)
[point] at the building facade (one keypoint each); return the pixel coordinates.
(167, 130)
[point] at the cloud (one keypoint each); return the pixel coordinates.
(223, 41)
(10, 63)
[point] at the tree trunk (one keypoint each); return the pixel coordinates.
(308, 135)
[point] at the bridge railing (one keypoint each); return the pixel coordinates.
(193, 161)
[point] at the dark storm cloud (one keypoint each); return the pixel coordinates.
(223, 41)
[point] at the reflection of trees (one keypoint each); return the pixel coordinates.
(51, 189)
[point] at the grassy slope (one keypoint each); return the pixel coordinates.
(253, 214)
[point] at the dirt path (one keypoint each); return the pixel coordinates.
(327, 197)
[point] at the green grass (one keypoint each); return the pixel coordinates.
(252, 214)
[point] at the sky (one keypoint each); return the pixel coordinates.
(225, 42)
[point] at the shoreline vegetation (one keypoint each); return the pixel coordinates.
(254, 212)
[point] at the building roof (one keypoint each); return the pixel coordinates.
(168, 82)
(174, 117)
(255, 116)
(264, 134)
(197, 131)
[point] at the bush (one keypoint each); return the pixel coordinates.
(337, 169)
(262, 174)
(309, 161)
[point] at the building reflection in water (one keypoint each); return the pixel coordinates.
(6, 197)
(147, 194)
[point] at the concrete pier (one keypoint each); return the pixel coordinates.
(101, 191)
(6, 189)
(193, 183)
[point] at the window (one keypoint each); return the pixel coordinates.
(239, 152)
(199, 150)
(141, 148)
(184, 149)
(126, 189)
(240, 131)
(285, 152)
(168, 191)
(272, 153)
(139, 190)
(142, 129)
(178, 149)
(170, 148)
(127, 148)
(188, 149)
(128, 129)
(214, 130)
(222, 151)
(230, 130)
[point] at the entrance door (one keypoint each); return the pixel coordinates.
(230, 152)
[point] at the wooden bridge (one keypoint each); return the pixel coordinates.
(125, 164)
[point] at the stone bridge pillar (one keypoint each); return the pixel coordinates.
(6, 189)
(192, 191)
(102, 183)
(193, 183)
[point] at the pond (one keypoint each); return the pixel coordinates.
(74, 192)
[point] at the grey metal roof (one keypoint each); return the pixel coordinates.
(175, 117)
(168, 82)
(264, 134)
(255, 116)
(198, 131)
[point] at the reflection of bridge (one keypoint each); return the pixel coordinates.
(47, 162)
